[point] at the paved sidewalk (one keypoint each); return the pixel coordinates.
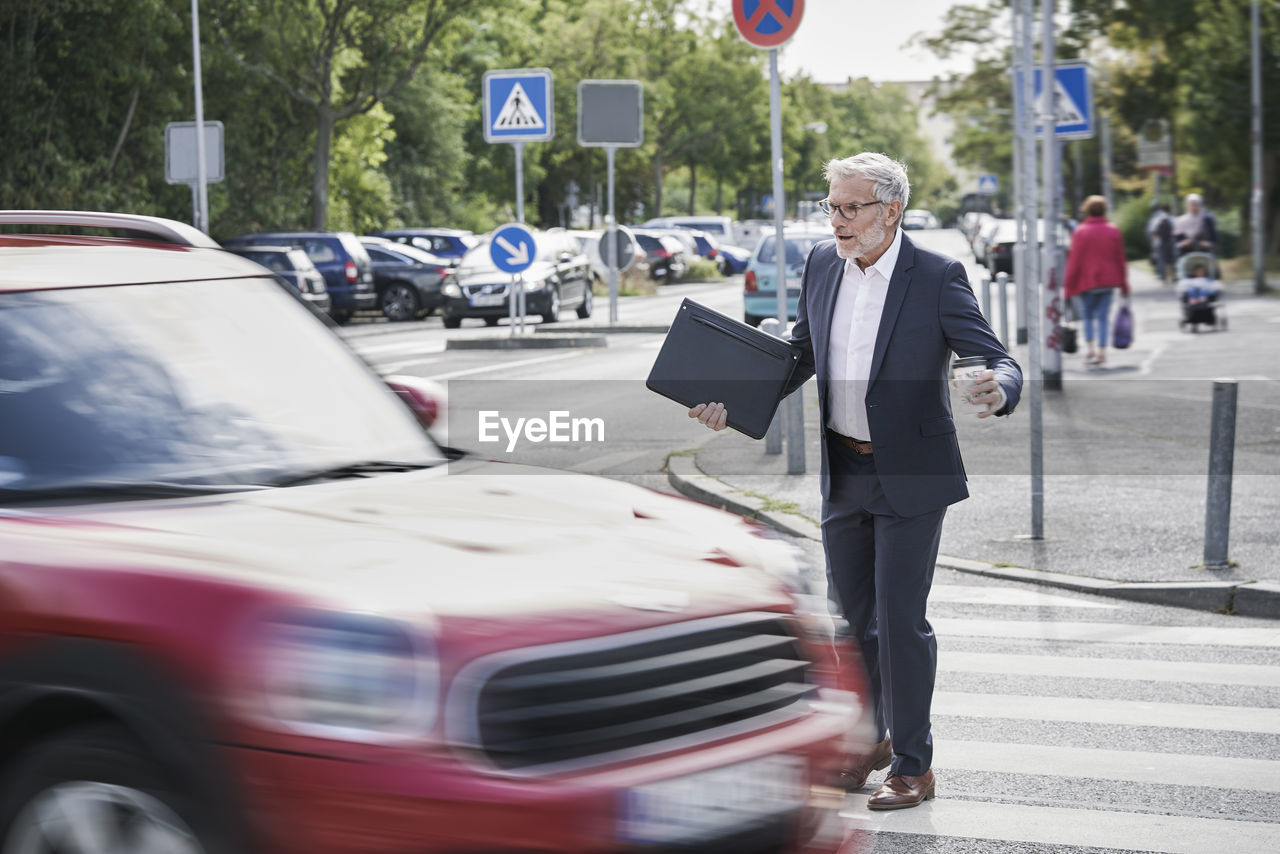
(1125, 457)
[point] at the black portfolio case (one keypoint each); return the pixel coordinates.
(710, 357)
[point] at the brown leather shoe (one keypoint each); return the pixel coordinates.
(899, 791)
(878, 757)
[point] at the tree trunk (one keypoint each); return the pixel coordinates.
(657, 185)
(719, 195)
(320, 167)
(693, 186)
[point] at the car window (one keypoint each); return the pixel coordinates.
(381, 256)
(300, 260)
(797, 249)
(319, 250)
(181, 383)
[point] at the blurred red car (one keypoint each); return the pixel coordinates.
(248, 605)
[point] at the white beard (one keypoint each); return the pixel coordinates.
(869, 239)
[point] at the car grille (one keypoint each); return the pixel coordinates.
(594, 701)
(484, 290)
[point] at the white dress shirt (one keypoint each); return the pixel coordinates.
(859, 304)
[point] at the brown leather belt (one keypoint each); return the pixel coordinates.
(857, 446)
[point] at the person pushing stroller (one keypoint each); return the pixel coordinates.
(1199, 292)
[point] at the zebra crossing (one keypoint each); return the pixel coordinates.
(1068, 723)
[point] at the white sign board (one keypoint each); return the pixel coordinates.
(1155, 145)
(180, 166)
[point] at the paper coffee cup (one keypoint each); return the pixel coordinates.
(965, 372)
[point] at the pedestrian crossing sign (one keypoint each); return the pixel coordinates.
(518, 106)
(1071, 104)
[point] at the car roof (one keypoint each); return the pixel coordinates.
(43, 262)
(447, 232)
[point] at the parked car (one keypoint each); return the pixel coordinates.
(406, 279)
(665, 254)
(589, 243)
(559, 278)
(293, 268)
(338, 255)
(998, 250)
(733, 259)
(918, 218)
(987, 226)
(720, 227)
(245, 605)
(448, 243)
(759, 283)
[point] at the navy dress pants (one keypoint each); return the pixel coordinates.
(880, 568)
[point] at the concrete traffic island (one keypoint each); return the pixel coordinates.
(527, 342)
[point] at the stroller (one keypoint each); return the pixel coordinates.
(1201, 296)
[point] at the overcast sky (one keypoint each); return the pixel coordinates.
(839, 39)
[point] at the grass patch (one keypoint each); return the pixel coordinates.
(701, 270)
(773, 505)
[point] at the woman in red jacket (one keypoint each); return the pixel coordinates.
(1096, 266)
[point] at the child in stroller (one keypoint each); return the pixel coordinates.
(1201, 296)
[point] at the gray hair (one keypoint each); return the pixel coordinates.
(888, 176)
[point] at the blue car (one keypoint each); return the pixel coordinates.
(759, 288)
(733, 260)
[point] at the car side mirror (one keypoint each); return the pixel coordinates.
(426, 399)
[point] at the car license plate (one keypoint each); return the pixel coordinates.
(486, 300)
(715, 802)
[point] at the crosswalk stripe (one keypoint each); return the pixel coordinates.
(966, 594)
(1178, 769)
(1203, 673)
(1107, 632)
(1060, 826)
(1116, 712)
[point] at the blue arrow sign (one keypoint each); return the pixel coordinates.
(1072, 102)
(518, 106)
(512, 248)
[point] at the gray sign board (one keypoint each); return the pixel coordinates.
(610, 113)
(180, 166)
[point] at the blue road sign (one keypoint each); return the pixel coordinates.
(518, 106)
(1072, 100)
(988, 184)
(512, 248)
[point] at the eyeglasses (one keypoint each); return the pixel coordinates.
(849, 210)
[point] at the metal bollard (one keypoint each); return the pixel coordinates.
(773, 438)
(1222, 443)
(1002, 294)
(986, 296)
(795, 431)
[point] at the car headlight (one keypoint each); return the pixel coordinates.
(357, 677)
(531, 285)
(450, 289)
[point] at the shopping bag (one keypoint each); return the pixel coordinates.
(1069, 344)
(1122, 331)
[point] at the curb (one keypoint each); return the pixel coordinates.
(645, 328)
(1251, 598)
(526, 342)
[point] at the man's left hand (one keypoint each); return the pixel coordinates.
(985, 391)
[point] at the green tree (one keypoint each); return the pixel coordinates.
(338, 58)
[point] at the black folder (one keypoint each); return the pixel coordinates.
(710, 357)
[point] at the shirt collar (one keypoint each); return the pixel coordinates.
(884, 266)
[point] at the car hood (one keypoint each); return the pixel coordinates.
(537, 271)
(471, 539)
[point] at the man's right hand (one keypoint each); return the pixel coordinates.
(713, 415)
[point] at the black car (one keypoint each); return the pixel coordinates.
(338, 255)
(406, 279)
(665, 254)
(560, 277)
(292, 267)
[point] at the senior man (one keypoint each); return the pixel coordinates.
(877, 320)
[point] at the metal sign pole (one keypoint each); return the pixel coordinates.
(1255, 202)
(611, 241)
(1031, 265)
(519, 150)
(1052, 364)
(202, 175)
(511, 304)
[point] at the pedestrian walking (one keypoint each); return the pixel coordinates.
(1096, 268)
(1163, 249)
(877, 320)
(1197, 229)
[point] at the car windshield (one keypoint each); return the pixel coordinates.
(225, 384)
(798, 247)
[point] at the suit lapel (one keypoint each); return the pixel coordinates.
(897, 294)
(834, 275)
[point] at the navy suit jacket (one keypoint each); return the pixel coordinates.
(929, 312)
